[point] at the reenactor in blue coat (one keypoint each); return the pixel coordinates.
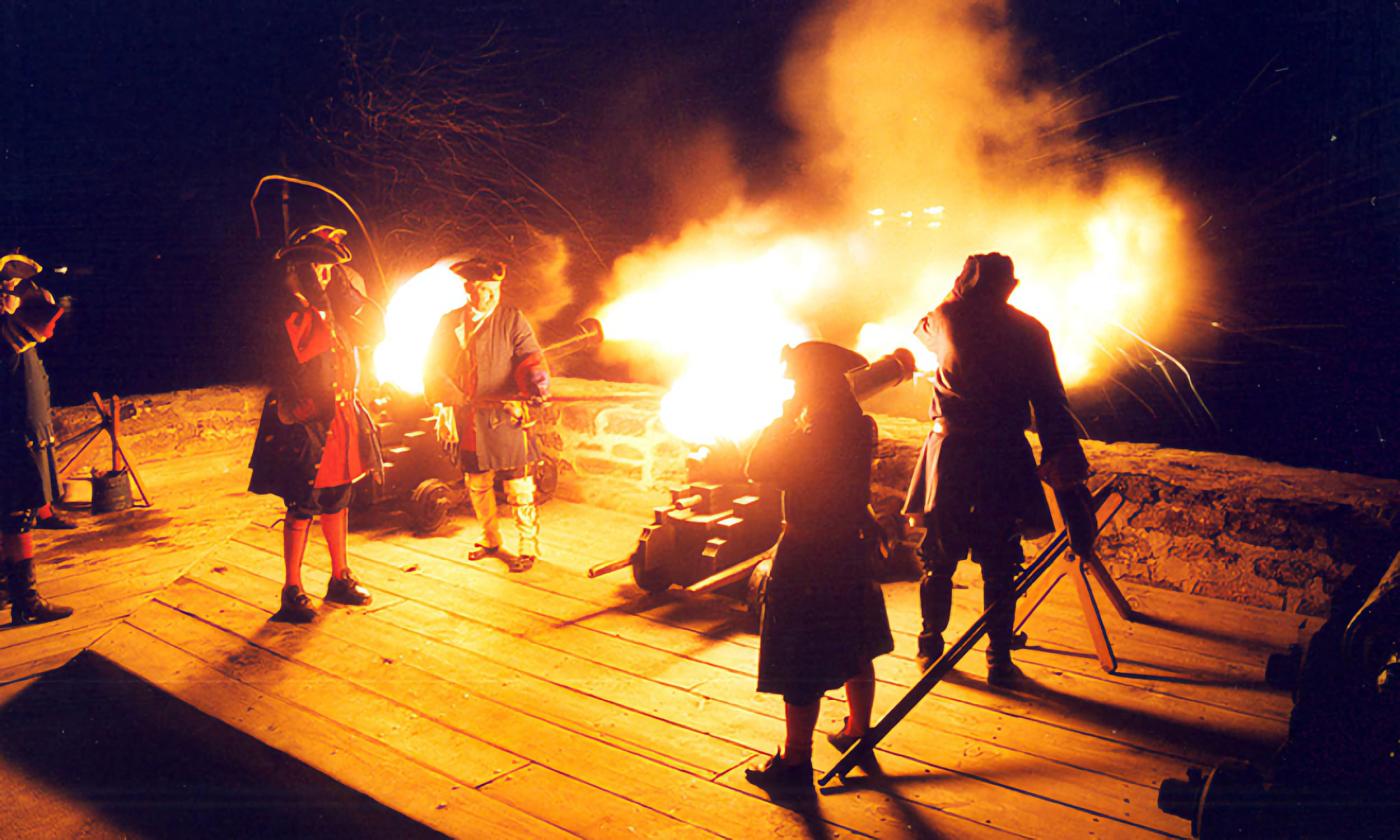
(483, 367)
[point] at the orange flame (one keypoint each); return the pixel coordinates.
(717, 317)
(409, 321)
(921, 143)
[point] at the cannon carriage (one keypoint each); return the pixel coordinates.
(717, 531)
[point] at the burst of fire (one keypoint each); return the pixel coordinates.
(720, 302)
(1118, 266)
(718, 320)
(921, 141)
(409, 321)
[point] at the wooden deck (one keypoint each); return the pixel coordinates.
(482, 703)
(116, 562)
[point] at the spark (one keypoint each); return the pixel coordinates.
(1162, 356)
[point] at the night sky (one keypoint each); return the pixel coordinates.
(134, 133)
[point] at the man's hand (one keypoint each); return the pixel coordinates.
(445, 423)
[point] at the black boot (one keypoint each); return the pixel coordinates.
(1001, 671)
(999, 587)
(936, 608)
(26, 607)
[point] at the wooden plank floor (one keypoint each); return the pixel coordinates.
(483, 703)
(113, 563)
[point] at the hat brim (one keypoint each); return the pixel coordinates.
(18, 267)
(321, 251)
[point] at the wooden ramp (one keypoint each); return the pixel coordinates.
(481, 703)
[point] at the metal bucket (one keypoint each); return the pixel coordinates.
(111, 491)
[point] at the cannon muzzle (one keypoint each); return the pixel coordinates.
(882, 374)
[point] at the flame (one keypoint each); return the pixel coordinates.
(409, 321)
(718, 312)
(921, 141)
(1118, 263)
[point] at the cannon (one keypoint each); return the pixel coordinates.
(1338, 773)
(419, 475)
(716, 531)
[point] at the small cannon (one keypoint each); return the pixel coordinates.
(1338, 774)
(716, 531)
(418, 474)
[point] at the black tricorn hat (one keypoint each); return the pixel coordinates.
(986, 275)
(820, 360)
(18, 266)
(319, 244)
(480, 270)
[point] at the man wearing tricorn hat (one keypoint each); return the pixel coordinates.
(315, 439)
(28, 314)
(976, 487)
(483, 365)
(823, 619)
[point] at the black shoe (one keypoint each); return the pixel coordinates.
(481, 552)
(55, 523)
(1002, 672)
(522, 563)
(296, 606)
(346, 590)
(35, 610)
(929, 651)
(781, 779)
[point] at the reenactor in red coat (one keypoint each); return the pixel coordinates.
(316, 439)
(976, 487)
(483, 366)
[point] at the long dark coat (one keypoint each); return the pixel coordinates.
(823, 612)
(995, 364)
(308, 392)
(473, 370)
(22, 482)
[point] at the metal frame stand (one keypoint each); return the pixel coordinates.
(109, 421)
(1055, 556)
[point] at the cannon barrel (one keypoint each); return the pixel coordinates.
(882, 374)
(590, 335)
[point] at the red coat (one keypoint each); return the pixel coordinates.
(314, 432)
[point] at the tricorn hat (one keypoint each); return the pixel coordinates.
(820, 360)
(319, 244)
(991, 276)
(18, 267)
(480, 270)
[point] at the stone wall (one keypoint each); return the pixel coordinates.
(1215, 525)
(167, 425)
(1220, 526)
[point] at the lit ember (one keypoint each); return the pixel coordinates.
(409, 321)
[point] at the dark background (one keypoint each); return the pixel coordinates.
(134, 132)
